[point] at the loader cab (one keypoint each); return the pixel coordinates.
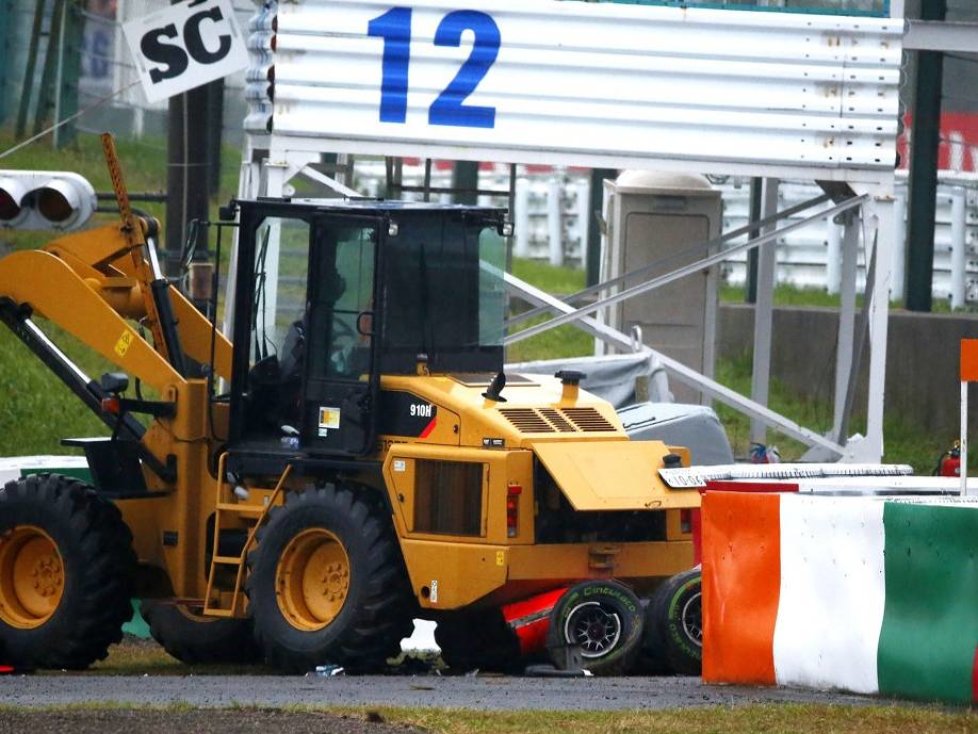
(330, 295)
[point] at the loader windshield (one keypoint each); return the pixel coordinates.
(444, 295)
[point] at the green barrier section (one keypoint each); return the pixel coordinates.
(81, 473)
(930, 628)
(137, 625)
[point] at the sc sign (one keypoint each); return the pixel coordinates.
(184, 46)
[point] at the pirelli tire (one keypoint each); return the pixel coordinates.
(66, 573)
(604, 620)
(327, 583)
(674, 618)
(193, 638)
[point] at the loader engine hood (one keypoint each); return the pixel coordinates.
(611, 475)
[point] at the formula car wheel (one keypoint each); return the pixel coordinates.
(675, 620)
(601, 618)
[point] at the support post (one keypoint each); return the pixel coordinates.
(465, 181)
(963, 441)
(522, 218)
(555, 225)
(764, 310)
(925, 140)
(969, 373)
(878, 211)
(187, 171)
(959, 257)
(847, 320)
(899, 259)
(594, 230)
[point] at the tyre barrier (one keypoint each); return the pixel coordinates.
(872, 595)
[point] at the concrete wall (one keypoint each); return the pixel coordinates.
(922, 360)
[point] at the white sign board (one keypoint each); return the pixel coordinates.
(605, 84)
(184, 46)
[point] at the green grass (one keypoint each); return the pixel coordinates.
(904, 444)
(757, 719)
(564, 341)
(789, 295)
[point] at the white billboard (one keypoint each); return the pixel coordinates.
(601, 84)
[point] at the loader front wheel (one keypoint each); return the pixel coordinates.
(327, 583)
(66, 573)
(193, 638)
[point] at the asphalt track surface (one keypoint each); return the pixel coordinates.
(490, 693)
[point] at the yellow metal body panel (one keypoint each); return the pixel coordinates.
(612, 475)
(481, 419)
(54, 291)
(500, 469)
(448, 575)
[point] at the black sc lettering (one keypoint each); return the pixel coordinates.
(195, 44)
(163, 53)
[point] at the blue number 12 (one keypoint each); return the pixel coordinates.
(394, 27)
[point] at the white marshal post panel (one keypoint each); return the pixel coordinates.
(594, 84)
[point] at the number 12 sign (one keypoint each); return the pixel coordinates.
(450, 106)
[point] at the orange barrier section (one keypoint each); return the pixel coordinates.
(741, 585)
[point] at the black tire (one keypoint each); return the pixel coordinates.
(478, 641)
(194, 639)
(674, 619)
(365, 606)
(602, 618)
(66, 573)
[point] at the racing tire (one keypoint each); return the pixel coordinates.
(195, 639)
(478, 641)
(674, 618)
(603, 619)
(327, 583)
(67, 573)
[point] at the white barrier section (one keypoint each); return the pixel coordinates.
(832, 594)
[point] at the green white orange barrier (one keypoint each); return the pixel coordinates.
(874, 595)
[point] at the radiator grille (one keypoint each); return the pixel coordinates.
(556, 420)
(588, 419)
(527, 420)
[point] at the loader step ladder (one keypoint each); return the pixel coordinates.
(226, 507)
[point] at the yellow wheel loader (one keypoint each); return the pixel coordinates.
(349, 458)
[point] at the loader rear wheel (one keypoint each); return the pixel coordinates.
(66, 573)
(193, 638)
(327, 583)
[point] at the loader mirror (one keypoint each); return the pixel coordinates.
(45, 200)
(114, 382)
